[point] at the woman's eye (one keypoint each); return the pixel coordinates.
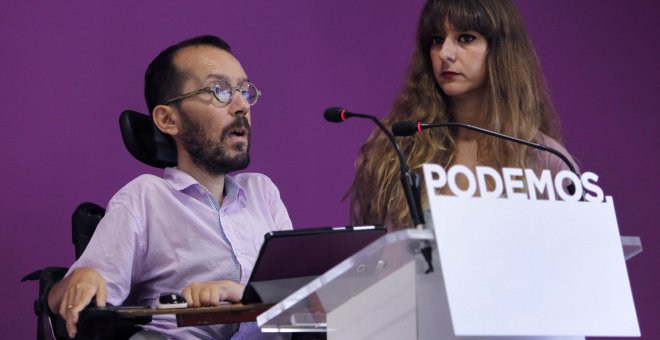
(466, 38)
(437, 41)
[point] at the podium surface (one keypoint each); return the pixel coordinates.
(307, 309)
(383, 291)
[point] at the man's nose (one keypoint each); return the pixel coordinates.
(239, 104)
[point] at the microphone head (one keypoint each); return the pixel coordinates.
(405, 128)
(334, 114)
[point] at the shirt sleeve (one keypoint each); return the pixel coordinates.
(278, 210)
(112, 251)
(548, 160)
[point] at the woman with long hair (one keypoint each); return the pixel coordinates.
(473, 64)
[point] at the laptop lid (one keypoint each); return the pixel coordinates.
(290, 259)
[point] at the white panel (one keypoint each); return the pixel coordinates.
(526, 267)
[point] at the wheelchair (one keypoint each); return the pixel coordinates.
(148, 145)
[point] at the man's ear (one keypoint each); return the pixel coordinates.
(166, 119)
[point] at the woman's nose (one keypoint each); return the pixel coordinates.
(448, 51)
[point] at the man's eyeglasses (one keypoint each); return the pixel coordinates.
(224, 92)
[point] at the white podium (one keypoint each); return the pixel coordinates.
(504, 269)
(383, 292)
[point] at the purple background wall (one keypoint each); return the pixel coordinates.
(68, 69)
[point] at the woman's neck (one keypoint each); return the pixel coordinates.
(468, 111)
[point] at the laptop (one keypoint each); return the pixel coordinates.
(290, 259)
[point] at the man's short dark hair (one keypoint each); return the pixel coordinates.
(163, 80)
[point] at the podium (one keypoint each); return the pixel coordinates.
(496, 266)
(386, 292)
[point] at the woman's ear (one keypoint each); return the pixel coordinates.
(166, 119)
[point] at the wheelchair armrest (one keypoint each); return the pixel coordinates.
(94, 322)
(101, 323)
(47, 277)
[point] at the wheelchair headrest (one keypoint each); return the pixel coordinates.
(145, 142)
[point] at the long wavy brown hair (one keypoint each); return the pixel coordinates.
(515, 97)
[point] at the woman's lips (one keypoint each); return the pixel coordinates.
(449, 75)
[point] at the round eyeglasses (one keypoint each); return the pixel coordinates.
(224, 92)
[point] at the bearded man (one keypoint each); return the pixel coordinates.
(196, 230)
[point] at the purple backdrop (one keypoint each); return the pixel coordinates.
(68, 70)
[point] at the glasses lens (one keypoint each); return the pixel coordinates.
(222, 91)
(249, 92)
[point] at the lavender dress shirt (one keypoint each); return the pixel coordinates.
(161, 234)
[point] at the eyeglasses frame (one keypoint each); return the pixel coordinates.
(208, 89)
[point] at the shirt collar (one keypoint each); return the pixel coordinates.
(178, 179)
(234, 192)
(182, 181)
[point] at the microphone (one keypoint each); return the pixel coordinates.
(410, 181)
(409, 128)
(338, 115)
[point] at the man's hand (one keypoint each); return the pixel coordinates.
(204, 294)
(69, 296)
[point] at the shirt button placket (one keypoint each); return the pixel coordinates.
(222, 214)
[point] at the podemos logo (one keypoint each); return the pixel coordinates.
(513, 183)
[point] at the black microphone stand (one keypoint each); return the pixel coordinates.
(408, 128)
(410, 181)
(509, 138)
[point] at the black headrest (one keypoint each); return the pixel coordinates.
(145, 142)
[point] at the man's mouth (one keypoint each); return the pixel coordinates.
(240, 129)
(238, 132)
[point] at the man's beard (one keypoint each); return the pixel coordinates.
(211, 155)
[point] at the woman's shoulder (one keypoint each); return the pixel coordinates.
(546, 140)
(549, 160)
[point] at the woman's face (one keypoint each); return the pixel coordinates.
(459, 63)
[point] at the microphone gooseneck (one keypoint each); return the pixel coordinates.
(409, 128)
(409, 180)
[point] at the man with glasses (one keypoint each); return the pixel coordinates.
(197, 230)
